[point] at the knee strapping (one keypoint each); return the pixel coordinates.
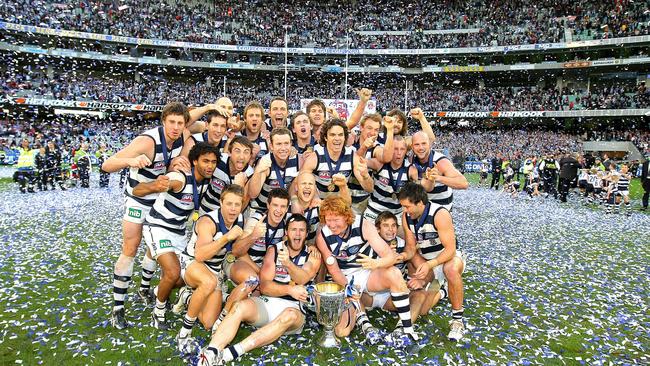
(124, 266)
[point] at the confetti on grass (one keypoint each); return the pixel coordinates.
(545, 283)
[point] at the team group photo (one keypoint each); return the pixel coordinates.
(390, 183)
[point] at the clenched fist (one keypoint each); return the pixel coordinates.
(161, 184)
(417, 113)
(364, 94)
(234, 233)
(139, 161)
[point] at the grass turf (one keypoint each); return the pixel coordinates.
(539, 290)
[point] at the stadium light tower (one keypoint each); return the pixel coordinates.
(406, 94)
(224, 86)
(347, 49)
(286, 58)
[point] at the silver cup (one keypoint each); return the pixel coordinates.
(328, 303)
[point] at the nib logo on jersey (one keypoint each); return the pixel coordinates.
(187, 198)
(159, 165)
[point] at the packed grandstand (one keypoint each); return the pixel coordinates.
(578, 71)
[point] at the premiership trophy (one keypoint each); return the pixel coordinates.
(328, 303)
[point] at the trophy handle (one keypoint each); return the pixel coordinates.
(350, 304)
(311, 298)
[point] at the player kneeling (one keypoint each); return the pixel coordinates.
(347, 247)
(201, 263)
(164, 226)
(438, 257)
(422, 299)
(288, 266)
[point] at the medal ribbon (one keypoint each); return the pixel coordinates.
(278, 175)
(164, 147)
(395, 183)
(420, 222)
(421, 168)
(224, 230)
(267, 237)
(340, 242)
(196, 198)
(329, 162)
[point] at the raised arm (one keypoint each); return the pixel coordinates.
(262, 171)
(387, 257)
(138, 154)
(385, 153)
(362, 175)
(424, 124)
(271, 288)
(187, 146)
(304, 274)
(197, 113)
(355, 117)
(246, 240)
(172, 181)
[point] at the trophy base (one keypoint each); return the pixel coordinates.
(329, 340)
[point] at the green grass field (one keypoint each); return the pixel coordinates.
(544, 285)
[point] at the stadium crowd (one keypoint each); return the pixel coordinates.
(156, 90)
(326, 24)
(247, 203)
(273, 201)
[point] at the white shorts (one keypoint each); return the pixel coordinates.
(161, 241)
(624, 193)
(439, 273)
(360, 277)
(134, 211)
(370, 215)
(380, 299)
(186, 261)
(269, 308)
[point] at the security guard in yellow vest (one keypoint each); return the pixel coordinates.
(82, 159)
(24, 174)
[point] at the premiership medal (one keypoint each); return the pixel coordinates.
(309, 149)
(333, 170)
(230, 258)
(196, 197)
(393, 243)
(395, 183)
